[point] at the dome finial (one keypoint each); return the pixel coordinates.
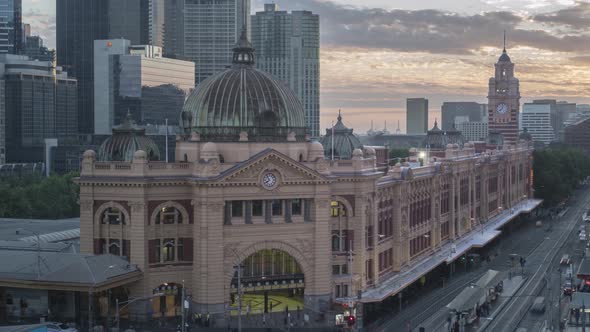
(504, 40)
(339, 115)
(243, 51)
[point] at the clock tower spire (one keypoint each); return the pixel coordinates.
(504, 100)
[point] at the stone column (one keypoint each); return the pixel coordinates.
(397, 230)
(454, 231)
(208, 285)
(137, 255)
(86, 221)
(318, 286)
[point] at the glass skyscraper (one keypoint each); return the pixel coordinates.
(204, 32)
(287, 46)
(11, 26)
(40, 103)
(79, 24)
(138, 80)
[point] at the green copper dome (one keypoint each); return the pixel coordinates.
(344, 141)
(437, 139)
(125, 141)
(243, 99)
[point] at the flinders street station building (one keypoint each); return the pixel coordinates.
(322, 229)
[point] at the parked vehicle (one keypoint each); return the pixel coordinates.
(565, 260)
(539, 305)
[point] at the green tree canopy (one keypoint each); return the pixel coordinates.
(557, 172)
(39, 197)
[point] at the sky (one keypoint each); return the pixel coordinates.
(376, 53)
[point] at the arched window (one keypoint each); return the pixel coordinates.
(169, 215)
(114, 247)
(168, 250)
(112, 216)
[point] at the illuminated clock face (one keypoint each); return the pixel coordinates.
(269, 180)
(502, 109)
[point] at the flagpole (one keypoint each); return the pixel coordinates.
(332, 140)
(166, 140)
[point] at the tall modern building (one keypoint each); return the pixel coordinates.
(35, 50)
(287, 46)
(138, 80)
(40, 102)
(156, 22)
(11, 26)
(504, 101)
(2, 123)
(472, 131)
(539, 119)
(416, 116)
(79, 24)
(204, 31)
(470, 111)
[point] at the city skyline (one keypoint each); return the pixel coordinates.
(376, 56)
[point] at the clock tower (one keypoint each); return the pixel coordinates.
(504, 100)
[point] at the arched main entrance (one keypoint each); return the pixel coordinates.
(167, 305)
(272, 281)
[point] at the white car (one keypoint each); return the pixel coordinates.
(60, 327)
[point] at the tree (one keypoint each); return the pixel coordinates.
(395, 155)
(557, 172)
(37, 197)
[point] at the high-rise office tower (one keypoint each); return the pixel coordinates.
(471, 111)
(79, 24)
(539, 120)
(35, 50)
(40, 103)
(287, 46)
(504, 101)
(204, 32)
(138, 80)
(11, 26)
(156, 22)
(416, 116)
(2, 124)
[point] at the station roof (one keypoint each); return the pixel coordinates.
(9, 226)
(64, 271)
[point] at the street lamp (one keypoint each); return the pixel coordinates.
(128, 302)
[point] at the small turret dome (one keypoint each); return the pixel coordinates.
(342, 139)
(125, 140)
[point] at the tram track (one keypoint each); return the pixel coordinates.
(426, 310)
(522, 300)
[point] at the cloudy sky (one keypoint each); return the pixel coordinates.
(377, 53)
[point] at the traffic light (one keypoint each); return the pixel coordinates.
(351, 320)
